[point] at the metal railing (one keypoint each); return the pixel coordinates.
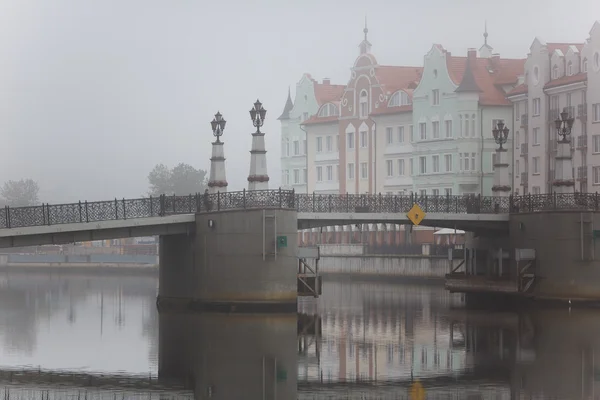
(582, 142)
(524, 178)
(582, 111)
(82, 212)
(582, 173)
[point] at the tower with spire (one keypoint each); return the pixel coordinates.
(365, 45)
(289, 105)
(485, 51)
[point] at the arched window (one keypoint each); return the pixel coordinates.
(328, 110)
(364, 104)
(584, 65)
(400, 98)
(555, 71)
(570, 68)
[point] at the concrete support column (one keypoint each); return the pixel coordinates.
(176, 269)
(563, 168)
(258, 179)
(218, 180)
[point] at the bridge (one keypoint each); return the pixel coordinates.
(167, 215)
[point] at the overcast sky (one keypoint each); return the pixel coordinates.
(93, 94)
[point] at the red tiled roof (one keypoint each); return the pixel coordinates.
(489, 73)
(566, 80)
(326, 92)
(521, 89)
(395, 78)
(315, 119)
(564, 47)
(392, 110)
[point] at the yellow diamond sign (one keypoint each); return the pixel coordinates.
(416, 214)
(417, 392)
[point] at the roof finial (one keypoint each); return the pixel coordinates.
(485, 33)
(366, 30)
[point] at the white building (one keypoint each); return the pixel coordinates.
(557, 77)
(310, 96)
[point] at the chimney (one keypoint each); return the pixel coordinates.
(326, 81)
(471, 54)
(495, 61)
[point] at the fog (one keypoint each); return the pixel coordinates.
(93, 94)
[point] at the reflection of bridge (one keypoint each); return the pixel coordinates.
(84, 221)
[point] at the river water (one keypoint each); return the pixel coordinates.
(90, 336)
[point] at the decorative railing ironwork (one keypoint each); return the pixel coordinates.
(82, 212)
(582, 142)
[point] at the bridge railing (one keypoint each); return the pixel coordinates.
(54, 214)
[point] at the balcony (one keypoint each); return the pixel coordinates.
(582, 142)
(582, 111)
(524, 120)
(553, 114)
(582, 173)
(524, 149)
(524, 178)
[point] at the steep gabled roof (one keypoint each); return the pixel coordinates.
(566, 80)
(288, 107)
(468, 83)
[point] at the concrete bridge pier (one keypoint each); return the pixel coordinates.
(234, 261)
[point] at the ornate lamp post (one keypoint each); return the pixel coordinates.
(501, 174)
(218, 180)
(563, 182)
(258, 179)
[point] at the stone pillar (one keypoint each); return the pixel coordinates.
(258, 179)
(563, 168)
(218, 180)
(501, 174)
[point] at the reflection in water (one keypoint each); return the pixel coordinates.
(355, 335)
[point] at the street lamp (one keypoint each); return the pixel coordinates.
(500, 134)
(564, 125)
(258, 114)
(218, 125)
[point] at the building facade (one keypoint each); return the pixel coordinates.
(309, 97)
(455, 107)
(368, 129)
(558, 77)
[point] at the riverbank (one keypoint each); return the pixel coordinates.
(82, 268)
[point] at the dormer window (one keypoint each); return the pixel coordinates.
(584, 65)
(570, 68)
(364, 104)
(555, 72)
(328, 110)
(400, 98)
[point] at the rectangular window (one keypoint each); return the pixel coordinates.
(350, 138)
(401, 167)
(286, 177)
(319, 174)
(363, 139)
(337, 172)
(296, 148)
(389, 134)
(304, 175)
(596, 112)
(518, 110)
(423, 192)
(517, 167)
(330, 172)
(305, 145)
(411, 170)
(493, 161)
(536, 136)
(472, 161)
(569, 99)
(435, 160)
(517, 139)
(535, 190)
(536, 106)
(422, 165)
(400, 134)
(536, 165)
(390, 167)
(435, 97)
(448, 162)
(337, 142)
(461, 159)
(350, 171)
(435, 126)
(411, 133)
(296, 176)
(435, 192)
(319, 144)
(596, 143)
(448, 191)
(364, 171)
(466, 156)
(423, 130)
(448, 124)
(329, 143)
(466, 126)
(596, 173)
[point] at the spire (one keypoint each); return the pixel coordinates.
(468, 83)
(288, 106)
(486, 50)
(365, 46)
